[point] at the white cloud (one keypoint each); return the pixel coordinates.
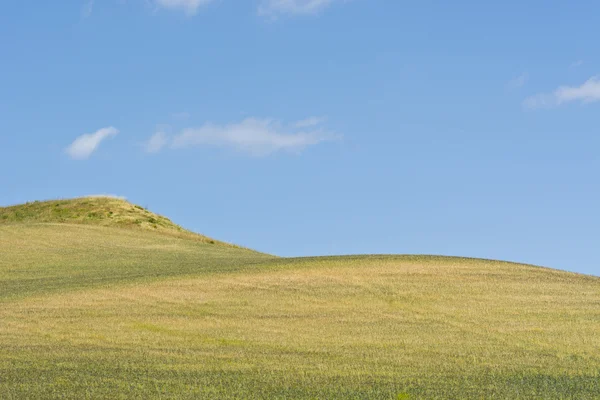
(588, 92)
(87, 9)
(257, 137)
(190, 7)
(83, 147)
(274, 8)
(518, 82)
(156, 142)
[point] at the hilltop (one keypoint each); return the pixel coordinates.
(96, 304)
(100, 211)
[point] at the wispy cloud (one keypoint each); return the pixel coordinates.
(88, 7)
(577, 64)
(83, 147)
(253, 136)
(274, 8)
(588, 92)
(156, 142)
(190, 7)
(518, 82)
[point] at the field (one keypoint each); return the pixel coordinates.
(93, 308)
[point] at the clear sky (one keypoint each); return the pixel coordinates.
(315, 127)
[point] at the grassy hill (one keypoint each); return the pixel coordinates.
(98, 211)
(102, 307)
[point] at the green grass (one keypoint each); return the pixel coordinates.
(52, 258)
(99, 311)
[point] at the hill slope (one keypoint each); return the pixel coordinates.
(100, 211)
(105, 312)
(50, 258)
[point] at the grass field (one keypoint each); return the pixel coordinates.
(106, 311)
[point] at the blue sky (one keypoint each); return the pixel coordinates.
(313, 127)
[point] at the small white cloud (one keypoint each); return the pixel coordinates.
(87, 9)
(156, 142)
(274, 8)
(577, 64)
(190, 7)
(257, 137)
(83, 147)
(518, 82)
(588, 92)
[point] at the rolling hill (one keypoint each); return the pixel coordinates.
(102, 299)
